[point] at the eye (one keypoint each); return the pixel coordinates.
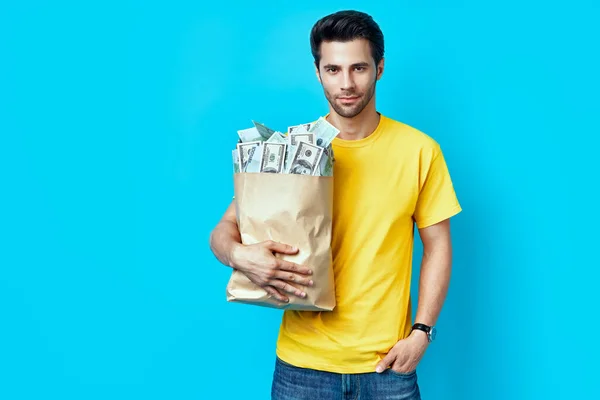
(331, 69)
(359, 68)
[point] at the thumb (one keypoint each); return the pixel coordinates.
(386, 362)
(281, 248)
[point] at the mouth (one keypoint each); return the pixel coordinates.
(348, 99)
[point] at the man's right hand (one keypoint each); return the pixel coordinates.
(259, 263)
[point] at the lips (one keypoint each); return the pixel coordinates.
(348, 99)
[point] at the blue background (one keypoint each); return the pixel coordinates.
(117, 121)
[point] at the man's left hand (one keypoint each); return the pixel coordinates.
(406, 354)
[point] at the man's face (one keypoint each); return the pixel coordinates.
(348, 75)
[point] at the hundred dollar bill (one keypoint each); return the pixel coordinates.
(306, 159)
(264, 131)
(295, 138)
(301, 137)
(236, 161)
(273, 157)
(246, 152)
(324, 132)
(249, 135)
(277, 137)
(325, 167)
(255, 160)
(299, 128)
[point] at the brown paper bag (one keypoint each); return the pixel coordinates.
(291, 209)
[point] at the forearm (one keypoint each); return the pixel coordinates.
(433, 282)
(224, 240)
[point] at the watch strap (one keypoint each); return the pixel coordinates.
(421, 327)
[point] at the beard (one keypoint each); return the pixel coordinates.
(350, 110)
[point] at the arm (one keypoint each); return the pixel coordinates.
(225, 237)
(258, 261)
(433, 286)
(435, 272)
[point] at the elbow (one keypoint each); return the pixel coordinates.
(212, 239)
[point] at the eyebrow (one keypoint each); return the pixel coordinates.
(360, 64)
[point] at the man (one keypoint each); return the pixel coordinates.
(387, 178)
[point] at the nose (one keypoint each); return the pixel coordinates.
(347, 81)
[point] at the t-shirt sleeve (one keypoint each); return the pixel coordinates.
(437, 199)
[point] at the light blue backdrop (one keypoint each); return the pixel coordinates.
(117, 121)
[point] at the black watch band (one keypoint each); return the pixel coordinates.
(429, 330)
(421, 327)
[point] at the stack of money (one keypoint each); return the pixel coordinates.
(305, 149)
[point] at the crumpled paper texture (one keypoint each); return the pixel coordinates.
(291, 209)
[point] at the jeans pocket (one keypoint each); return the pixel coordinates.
(410, 374)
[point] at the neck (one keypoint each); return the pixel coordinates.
(355, 128)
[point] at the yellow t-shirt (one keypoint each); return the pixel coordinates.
(383, 184)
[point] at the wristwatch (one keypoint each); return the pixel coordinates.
(429, 330)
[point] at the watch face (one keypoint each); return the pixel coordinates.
(432, 333)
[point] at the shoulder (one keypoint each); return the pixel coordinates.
(411, 137)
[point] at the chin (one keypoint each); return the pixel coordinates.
(348, 112)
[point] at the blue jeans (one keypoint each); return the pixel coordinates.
(294, 383)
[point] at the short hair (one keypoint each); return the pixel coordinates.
(345, 26)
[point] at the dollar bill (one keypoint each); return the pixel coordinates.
(245, 153)
(236, 161)
(305, 149)
(301, 137)
(277, 137)
(264, 131)
(255, 159)
(306, 159)
(249, 135)
(324, 132)
(326, 164)
(295, 138)
(299, 128)
(273, 157)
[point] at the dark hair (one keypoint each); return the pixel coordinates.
(344, 26)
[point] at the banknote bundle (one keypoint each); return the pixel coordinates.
(304, 150)
(283, 191)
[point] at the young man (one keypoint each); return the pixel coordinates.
(388, 177)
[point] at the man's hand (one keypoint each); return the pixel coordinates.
(259, 263)
(406, 354)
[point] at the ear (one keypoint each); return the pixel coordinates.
(380, 68)
(317, 73)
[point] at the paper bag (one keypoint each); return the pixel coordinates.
(291, 209)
